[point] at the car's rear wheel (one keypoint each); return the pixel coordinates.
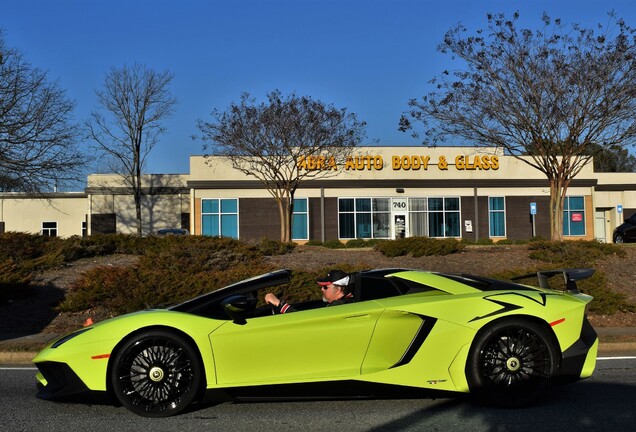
(156, 374)
(511, 363)
(618, 238)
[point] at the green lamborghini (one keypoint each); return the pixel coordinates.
(501, 342)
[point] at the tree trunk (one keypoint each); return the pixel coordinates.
(558, 189)
(285, 212)
(137, 194)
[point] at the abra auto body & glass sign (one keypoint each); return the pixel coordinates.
(401, 162)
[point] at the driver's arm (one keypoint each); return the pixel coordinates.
(280, 306)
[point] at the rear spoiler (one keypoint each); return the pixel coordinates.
(570, 277)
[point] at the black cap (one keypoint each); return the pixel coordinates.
(336, 277)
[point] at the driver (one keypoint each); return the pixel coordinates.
(334, 288)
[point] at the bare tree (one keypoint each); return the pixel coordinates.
(38, 139)
(125, 128)
(282, 142)
(558, 95)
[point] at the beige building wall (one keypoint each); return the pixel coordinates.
(67, 212)
(165, 199)
(395, 163)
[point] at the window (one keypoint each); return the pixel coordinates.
(574, 216)
(497, 216)
(300, 219)
(418, 216)
(443, 217)
(381, 217)
(363, 218)
(219, 217)
(49, 229)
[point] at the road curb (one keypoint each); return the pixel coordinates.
(16, 357)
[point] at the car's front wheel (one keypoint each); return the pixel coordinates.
(618, 238)
(511, 363)
(156, 374)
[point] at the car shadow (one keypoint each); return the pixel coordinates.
(30, 311)
(583, 406)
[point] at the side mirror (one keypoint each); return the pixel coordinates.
(236, 307)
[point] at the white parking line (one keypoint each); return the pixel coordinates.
(617, 358)
(19, 368)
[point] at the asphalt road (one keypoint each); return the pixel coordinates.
(605, 402)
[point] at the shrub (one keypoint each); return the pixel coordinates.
(333, 244)
(573, 253)
(419, 246)
(13, 281)
(356, 243)
(274, 247)
(172, 270)
(510, 242)
(605, 301)
(22, 247)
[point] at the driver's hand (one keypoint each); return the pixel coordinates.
(272, 299)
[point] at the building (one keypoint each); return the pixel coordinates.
(379, 192)
(388, 192)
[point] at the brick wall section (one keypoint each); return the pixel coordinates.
(468, 213)
(519, 222)
(258, 218)
(331, 219)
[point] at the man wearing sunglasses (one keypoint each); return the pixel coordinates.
(334, 287)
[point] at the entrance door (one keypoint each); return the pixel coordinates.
(399, 225)
(600, 232)
(398, 215)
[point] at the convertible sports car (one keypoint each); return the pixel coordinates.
(407, 329)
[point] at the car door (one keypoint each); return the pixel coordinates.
(323, 343)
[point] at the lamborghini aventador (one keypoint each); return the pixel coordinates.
(499, 341)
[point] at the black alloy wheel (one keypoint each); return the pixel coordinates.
(511, 363)
(156, 374)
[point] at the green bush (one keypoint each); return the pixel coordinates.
(334, 244)
(22, 247)
(13, 280)
(605, 301)
(356, 243)
(274, 247)
(419, 246)
(504, 242)
(573, 253)
(173, 269)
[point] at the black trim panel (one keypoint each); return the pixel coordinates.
(324, 390)
(62, 382)
(420, 336)
(574, 357)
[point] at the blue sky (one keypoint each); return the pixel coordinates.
(370, 56)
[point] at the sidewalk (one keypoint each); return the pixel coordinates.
(20, 350)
